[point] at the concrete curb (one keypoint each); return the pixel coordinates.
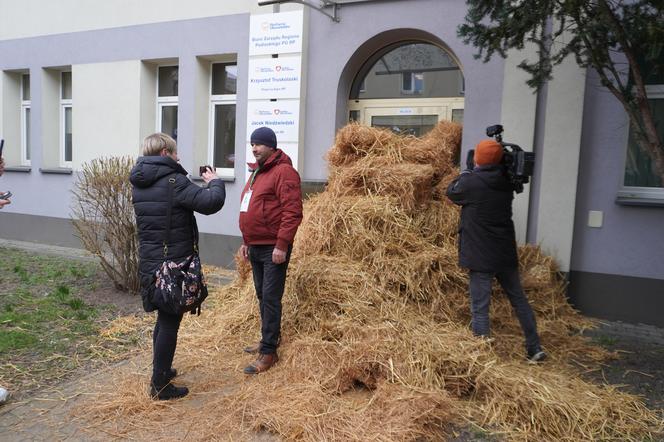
(637, 332)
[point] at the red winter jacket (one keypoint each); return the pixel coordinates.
(275, 207)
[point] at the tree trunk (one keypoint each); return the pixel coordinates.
(638, 110)
(651, 140)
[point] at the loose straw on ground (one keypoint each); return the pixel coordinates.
(375, 337)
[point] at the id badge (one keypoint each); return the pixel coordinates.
(244, 205)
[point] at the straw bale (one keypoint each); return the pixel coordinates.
(439, 192)
(324, 289)
(350, 226)
(413, 254)
(440, 147)
(411, 183)
(355, 141)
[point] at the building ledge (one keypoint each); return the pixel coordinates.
(24, 169)
(56, 170)
(198, 179)
(642, 202)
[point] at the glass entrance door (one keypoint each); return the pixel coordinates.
(416, 125)
(405, 120)
(406, 117)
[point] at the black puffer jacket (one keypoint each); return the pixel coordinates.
(486, 235)
(150, 178)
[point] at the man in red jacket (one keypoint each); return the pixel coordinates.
(270, 213)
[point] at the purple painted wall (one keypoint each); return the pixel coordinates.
(631, 240)
(332, 46)
(184, 40)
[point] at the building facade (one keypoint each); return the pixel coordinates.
(82, 80)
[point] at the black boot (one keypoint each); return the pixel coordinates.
(162, 389)
(171, 374)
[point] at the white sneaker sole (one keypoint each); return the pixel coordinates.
(537, 357)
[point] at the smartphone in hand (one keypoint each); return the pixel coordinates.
(203, 169)
(5, 195)
(2, 144)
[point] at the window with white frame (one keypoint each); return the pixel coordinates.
(25, 119)
(66, 146)
(167, 100)
(412, 82)
(223, 98)
(642, 179)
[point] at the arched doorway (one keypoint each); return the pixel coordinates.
(408, 87)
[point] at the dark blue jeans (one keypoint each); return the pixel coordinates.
(164, 341)
(480, 298)
(269, 281)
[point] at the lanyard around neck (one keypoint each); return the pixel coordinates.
(253, 177)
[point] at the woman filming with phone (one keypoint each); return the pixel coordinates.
(164, 202)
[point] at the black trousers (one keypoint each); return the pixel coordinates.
(164, 341)
(269, 281)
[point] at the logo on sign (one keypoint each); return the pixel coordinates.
(265, 26)
(279, 25)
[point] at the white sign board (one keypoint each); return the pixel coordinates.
(282, 116)
(274, 77)
(279, 33)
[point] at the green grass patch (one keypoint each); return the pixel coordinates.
(16, 339)
(606, 341)
(76, 304)
(47, 328)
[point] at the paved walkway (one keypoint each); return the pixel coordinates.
(51, 414)
(47, 415)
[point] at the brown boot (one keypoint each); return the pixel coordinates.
(253, 348)
(263, 363)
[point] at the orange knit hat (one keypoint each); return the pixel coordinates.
(488, 152)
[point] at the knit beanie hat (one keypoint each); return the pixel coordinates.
(264, 136)
(488, 152)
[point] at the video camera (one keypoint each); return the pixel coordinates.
(517, 163)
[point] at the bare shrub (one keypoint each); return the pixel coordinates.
(103, 217)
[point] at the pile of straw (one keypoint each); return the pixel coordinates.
(375, 332)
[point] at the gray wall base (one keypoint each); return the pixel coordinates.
(214, 249)
(613, 297)
(219, 250)
(39, 229)
(618, 298)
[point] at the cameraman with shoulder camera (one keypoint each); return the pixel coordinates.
(487, 242)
